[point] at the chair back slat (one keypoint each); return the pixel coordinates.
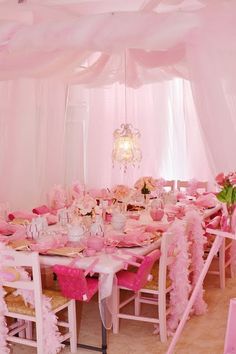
(165, 260)
(30, 260)
(169, 184)
(201, 185)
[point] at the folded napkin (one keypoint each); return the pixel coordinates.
(9, 229)
(49, 242)
(21, 215)
(214, 223)
(175, 210)
(132, 238)
(157, 226)
(40, 210)
(206, 200)
(51, 219)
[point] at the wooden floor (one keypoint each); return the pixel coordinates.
(202, 334)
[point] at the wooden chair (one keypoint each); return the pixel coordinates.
(201, 185)
(223, 258)
(153, 293)
(170, 185)
(76, 284)
(25, 315)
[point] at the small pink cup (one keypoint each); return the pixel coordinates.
(95, 243)
(108, 217)
(157, 214)
(89, 252)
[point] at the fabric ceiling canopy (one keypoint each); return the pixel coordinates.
(59, 38)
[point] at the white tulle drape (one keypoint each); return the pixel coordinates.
(171, 141)
(53, 131)
(32, 144)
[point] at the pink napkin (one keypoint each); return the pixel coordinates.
(51, 219)
(206, 200)
(49, 242)
(214, 223)
(132, 238)
(40, 210)
(9, 229)
(21, 215)
(157, 227)
(175, 211)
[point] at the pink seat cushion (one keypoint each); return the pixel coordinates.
(126, 279)
(136, 281)
(92, 287)
(74, 284)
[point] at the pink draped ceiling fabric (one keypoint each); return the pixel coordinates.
(51, 134)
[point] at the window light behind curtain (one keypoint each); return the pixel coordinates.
(163, 112)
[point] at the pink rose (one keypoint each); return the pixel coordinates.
(220, 179)
(232, 178)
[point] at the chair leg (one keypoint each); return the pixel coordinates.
(29, 330)
(39, 338)
(104, 340)
(137, 304)
(115, 312)
(162, 316)
(72, 326)
(222, 264)
(232, 271)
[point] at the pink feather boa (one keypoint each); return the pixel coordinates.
(52, 337)
(197, 240)
(3, 326)
(179, 275)
(187, 247)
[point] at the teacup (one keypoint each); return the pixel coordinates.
(95, 243)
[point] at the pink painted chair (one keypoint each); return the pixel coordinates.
(202, 186)
(138, 283)
(169, 185)
(25, 315)
(76, 284)
(230, 341)
(223, 257)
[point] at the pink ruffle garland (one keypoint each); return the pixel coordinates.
(179, 275)
(52, 337)
(3, 326)
(197, 240)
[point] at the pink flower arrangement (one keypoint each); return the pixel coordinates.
(227, 183)
(146, 184)
(57, 197)
(121, 192)
(85, 205)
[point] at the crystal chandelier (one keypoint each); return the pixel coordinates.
(126, 150)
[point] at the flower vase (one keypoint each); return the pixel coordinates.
(87, 221)
(229, 221)
(146, 198)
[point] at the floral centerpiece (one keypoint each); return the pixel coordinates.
(227, 195)
(146, 185)
(85, 206)
(121, 192)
